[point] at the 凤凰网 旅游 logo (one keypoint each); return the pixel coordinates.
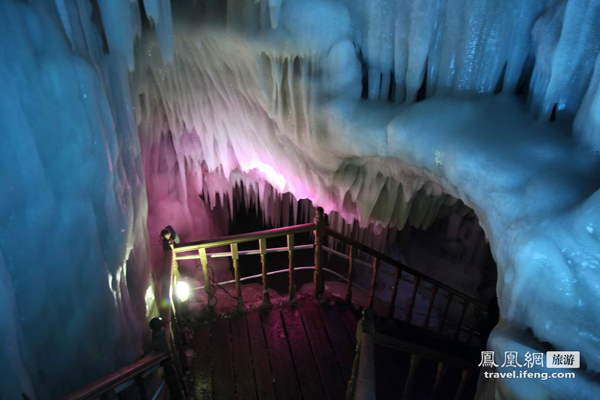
(553, 359)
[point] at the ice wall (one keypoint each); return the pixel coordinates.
(318, 98)
(73, 241)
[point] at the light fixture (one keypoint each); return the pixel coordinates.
(182, 290)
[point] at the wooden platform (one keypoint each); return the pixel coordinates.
(293, 352)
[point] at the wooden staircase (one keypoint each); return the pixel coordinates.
(402, 351)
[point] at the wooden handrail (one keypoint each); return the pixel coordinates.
(397, 264)
(119, 377)
(221, 254)
(418, 350)
(242, 238)
(362, 383)
(198, 250)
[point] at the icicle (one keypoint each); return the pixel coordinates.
(117, 21)
(274, 11)
(64, 17)
(159, 11)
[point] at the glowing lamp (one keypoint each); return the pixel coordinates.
(182, 290)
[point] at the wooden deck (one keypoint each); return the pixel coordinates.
(293, 352)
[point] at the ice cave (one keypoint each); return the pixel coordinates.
(300, 199)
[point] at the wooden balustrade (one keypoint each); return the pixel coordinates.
(162, 356)
(168, 307)
(420, 281)
(291, 284)
(351, 256)
(371, 300)
(319, 239)
(418, 278)
(362, 383)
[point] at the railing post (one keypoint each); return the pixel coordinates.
(365, 326)
(235, 257)
(415, 361)
(207, 283)
(462, 317)
(170, 274)
(441, 372)
(266, 303)
(173, 375)
(371, 300)
(351, 255)
(475, 322)
(443, 320)
(291, 285)
(464, 377)
(392, 308)
(430, 307)
(413, 297)
(319, 220)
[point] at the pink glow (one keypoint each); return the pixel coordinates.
(274, 177)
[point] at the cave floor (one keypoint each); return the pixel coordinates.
(302, 351)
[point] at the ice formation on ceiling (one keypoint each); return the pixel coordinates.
(383, 110)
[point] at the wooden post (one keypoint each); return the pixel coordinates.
(365, 325)
(371, 301)
(291, 285)
(475, 322)
(319, 284)
(460, 321)
(392, 308)
(351, 255)
(413, 297)
(466, 374)
(415, 361)
(173, 376)
(235, 257)
(207, 283)
(448, 302)
(441, 371)
(428, 316)
(263, 260)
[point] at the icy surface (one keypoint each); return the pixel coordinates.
(73, 241)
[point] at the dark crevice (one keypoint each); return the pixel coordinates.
(553, 115)
(422, 92)
(97, 20)
(525, 78)
(500, 83)
(365, 74)
(392, 92)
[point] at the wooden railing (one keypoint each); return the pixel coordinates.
(166, 343)
(362, 384)
(135, 373)
(437, 287)
(199, 251)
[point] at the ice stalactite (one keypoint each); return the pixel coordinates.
(587, 122)
(159, 12)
